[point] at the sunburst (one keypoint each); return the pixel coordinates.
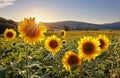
(31, 31)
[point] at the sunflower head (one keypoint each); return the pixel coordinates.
(88, 48)
(63, 33)
(64, 42)
(71, 59)
(31, 31)
(53, 44)
(104, 42)
(9, 34)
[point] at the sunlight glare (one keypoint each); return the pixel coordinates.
(38, 20)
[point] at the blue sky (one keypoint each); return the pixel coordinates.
(92, 11)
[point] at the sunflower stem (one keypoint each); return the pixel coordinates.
(81, 71)
(71, 74)
(56, 61)
(94, 65)
(27, 61)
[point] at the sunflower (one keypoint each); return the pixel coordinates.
(71, 59)
(88, 48)
(104, 42)
(31, 31)
(53, 44)
(9, 34)
(64, 42)
(63, 33)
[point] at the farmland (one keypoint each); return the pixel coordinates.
(42, 64)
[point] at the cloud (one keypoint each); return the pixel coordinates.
(4, 3)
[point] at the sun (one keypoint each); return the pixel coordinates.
(38, 20)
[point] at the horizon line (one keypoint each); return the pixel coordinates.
(61, 21)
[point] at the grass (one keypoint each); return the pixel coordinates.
(43, 65)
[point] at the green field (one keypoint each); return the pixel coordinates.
(42, 64)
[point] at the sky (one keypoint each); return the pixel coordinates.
(91, 11)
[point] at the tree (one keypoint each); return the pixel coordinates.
(65, 27)
(4, 24)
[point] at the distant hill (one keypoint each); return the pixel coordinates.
(73, 25)
(114, 26)
(7, 23)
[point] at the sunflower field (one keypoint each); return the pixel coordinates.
(34, 52)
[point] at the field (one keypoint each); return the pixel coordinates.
(40, 63)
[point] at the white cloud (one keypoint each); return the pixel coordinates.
(4, 3)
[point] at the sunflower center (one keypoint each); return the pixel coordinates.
(88, 48)
(53, 44)
(73, 60)
(9, 34)
(62, 33)
(63, 42)
(32, 31)
(102, 43)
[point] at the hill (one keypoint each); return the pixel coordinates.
(7, 23)
(114, 26)
(73, 25)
